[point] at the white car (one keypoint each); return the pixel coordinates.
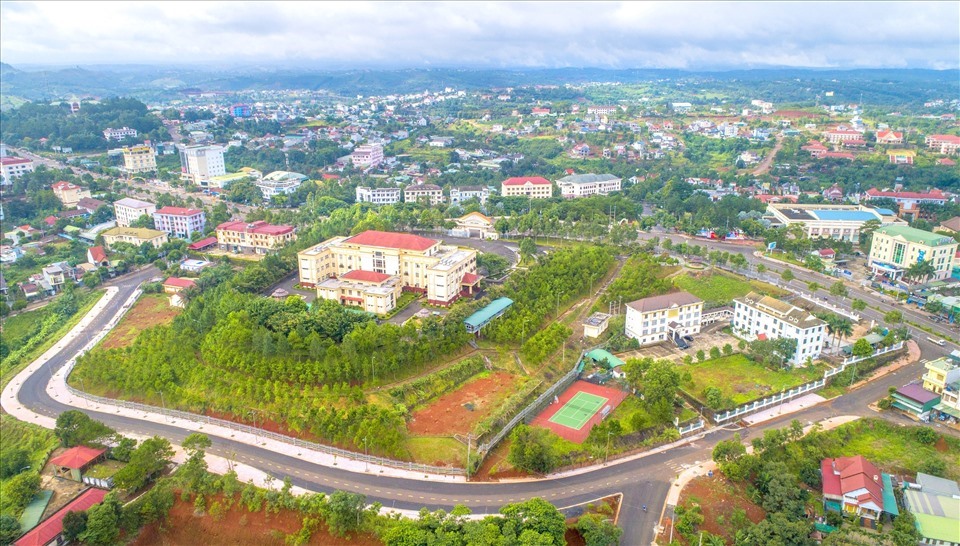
(939, 342)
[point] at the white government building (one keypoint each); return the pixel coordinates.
(666, 317)
(763, 317)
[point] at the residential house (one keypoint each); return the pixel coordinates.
(255, 237)
(915, 400)
(430, 193)
(13, 167)
(443, 273)
(534, 187)
(367, 156)
(758, 317)
(179, 221)
(895, 248)
(175, 285)
(68, 193)
(56, 275)
(128, 210)
(134, 236)
(815, 148)
(97, 256)
(660, 318)
(935, 505)
(951, 226)
(940, 373)
(889, 137)
(21, 232)
(854, 486)
(833, 193)
(119, 134)
(90, 205)
(378, 196)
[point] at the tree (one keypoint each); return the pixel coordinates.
(729, 450)
(150, 457)
(838, 289)
(21, 489)
(813, 286)
(598, 530)
(787, 275)
(858, 304)
(701, 356)
(9, 529)
(74, 524)
(814, 263)
(893, 317)
(866, 232)
(714, 352)
(862, 348)
(103, 522)
(74, 427)
(123, 448)
(933, 306)
(343, 512)
(13, 461)
(532, 449)
(538, 516)
(528, 248)
(761, 268)
(921, 270)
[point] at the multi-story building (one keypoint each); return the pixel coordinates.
(371, 291)
(764, 317)
(534, 187)
(368, 155)
(443, 273)
(945, 144)
(134, 236)
(253, 237)
(179, 221)
(128, 210)
(463, 193)
(198, 164)
(895, 248)
(940, 373)
(908, 201)
(378, 196)
(241, 111)
(584, 185)
(68, 193)
(842, 222)
(119, 134)
(602, 110)
(280, 183)
(662, 318)
(842, 135)
(139, 159)
(13, 167)
(429, 193)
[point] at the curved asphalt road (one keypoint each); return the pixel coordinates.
(643, 481)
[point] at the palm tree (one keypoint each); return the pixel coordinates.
(843, 328)
(921, 270)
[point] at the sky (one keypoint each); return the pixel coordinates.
(684, 35)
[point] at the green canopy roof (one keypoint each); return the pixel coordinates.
(599, 355)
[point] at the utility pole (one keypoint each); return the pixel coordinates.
(164, 406)
(366, 460)
(469, 441)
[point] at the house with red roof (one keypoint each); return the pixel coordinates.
(534, 187)
(203, 244)
(833, 193)
(815, 147)
(421, 265)
(837, 155)
(49, 531)
(946, 162)
(889, 137)
(175, 285)
(373, 292)
(97, 256)
(68, 193)
(72, 462)
(838, 136)
(944, 144)
(179, 221)
(854, 486)
(253, 237)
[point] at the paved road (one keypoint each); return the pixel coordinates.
(642, 481)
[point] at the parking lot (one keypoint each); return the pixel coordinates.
(711, 336)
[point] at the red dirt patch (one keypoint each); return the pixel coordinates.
(258, 529)
(941, 445)
(150, 310)
(614, 396)
(718, 496)
(447, 414)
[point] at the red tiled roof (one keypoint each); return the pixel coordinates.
(827, 252)
(521, 180)
(179, 282)
(365, 276)
(844, 475)
(50, 220)
(470, 278)
(64, 185)
(98, 254)
(838, 155)
(389, 239)
(14, 160)
(46, 532)
(946, 161)
(932, 194)
(179, 211)
(202, 243)
(77, 457)
(352, 298)
(946, 138)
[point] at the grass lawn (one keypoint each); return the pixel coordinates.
(437, 450)
(36, 440)
(742, 380)
(150, 310)
(719, 288)
(105, 469)
(892, 447)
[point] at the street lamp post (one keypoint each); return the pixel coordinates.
(366, 460)
(163, 404)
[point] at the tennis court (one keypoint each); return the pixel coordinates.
(578, 411)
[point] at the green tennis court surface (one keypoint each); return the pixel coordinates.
(578, 410)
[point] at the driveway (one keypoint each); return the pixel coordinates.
(288, 284)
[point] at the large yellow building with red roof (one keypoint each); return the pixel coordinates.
(419, 264)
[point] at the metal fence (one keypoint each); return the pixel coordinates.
(879, 352)
(687, 429)
(256, 432)
(532, 408)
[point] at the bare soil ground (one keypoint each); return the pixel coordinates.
(451, 414)
(150, 310)
(718, 496)
(237, 528)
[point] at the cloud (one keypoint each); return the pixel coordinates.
(485, 34)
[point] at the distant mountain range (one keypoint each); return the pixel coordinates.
(165, 82)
